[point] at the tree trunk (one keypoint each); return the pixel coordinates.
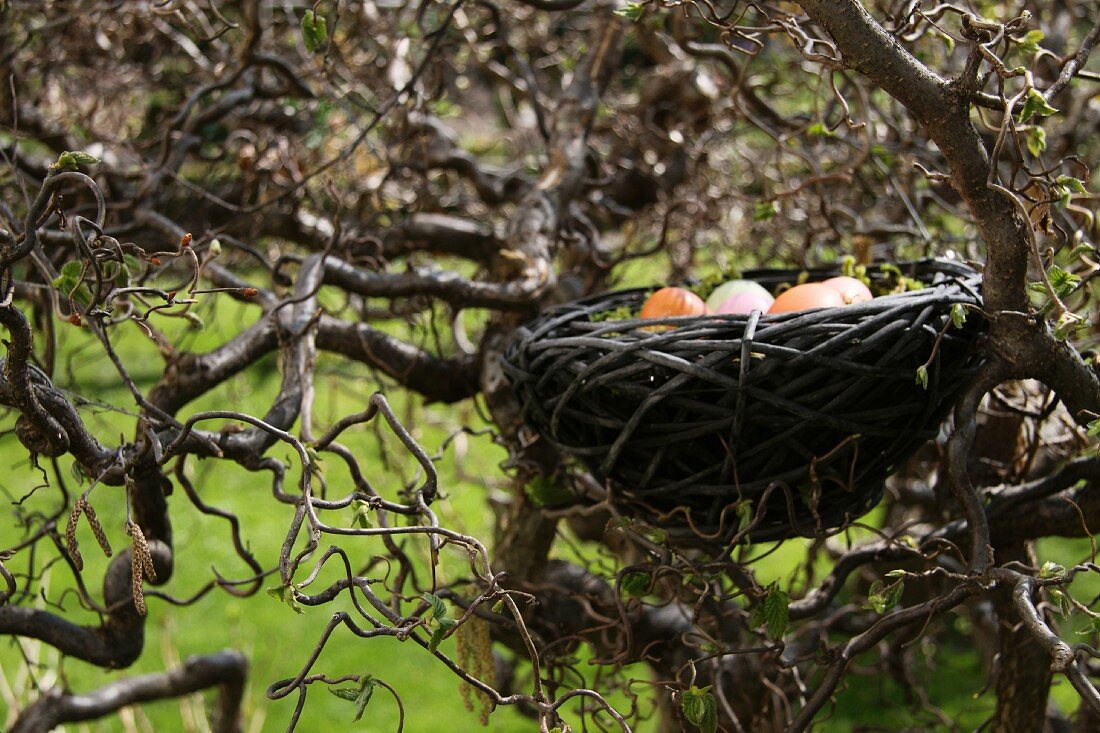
(1023, 675)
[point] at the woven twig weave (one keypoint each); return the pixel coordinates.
(803, 414)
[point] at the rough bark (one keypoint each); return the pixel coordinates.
(1023, 669)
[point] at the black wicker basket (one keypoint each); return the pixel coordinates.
(804, 413)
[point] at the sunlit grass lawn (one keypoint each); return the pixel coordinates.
(276, 640)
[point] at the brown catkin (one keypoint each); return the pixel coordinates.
(141, 551)
(97, 529)
(474, 647)
(462, 652)
(70, 534)
(485, 665)
(141, 565)
(135, 584)
(147, 562)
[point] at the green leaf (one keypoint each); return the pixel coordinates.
(361, 514)
(1065, 186)
(70, 160)
(1064, 196)
(882, 597)
(700, 708)
(1093, 626)
(818, 129)
(314, 30)
(360, 695)
(69, 276)
(71, 270)
(635, 583)
(1051, 570)
(656, 535)
(1036, 140)
(1064, 606)
(69, 284)
(773, 611)
(1082, 249)
(631, 11)
(445, 626)
(1035, 104)
(1029, 44)
(764, 211)
(285, 593)
(899, 573)
(114, 271)
(1066, 325)
(958, 315)
(315, 458)
(439, 607)
(1094, 428)
(1063, 281)
(544, 491)
(1074, 185)
(922, 376)
(345, 693)
(744, 515)
(366, 690)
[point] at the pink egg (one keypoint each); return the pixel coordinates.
(747, 302)
(728, 289)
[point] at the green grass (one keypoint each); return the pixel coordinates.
(276, 640)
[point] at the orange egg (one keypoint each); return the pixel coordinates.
(668, 302)
(806, 296)
(850, 289)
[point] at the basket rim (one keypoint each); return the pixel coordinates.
(961, 279)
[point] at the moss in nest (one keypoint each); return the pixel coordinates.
(894, 282)
(711, 282)
(622, 313)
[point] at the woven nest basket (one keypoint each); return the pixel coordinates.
(761, 427)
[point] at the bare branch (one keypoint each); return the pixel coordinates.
(226, 670)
